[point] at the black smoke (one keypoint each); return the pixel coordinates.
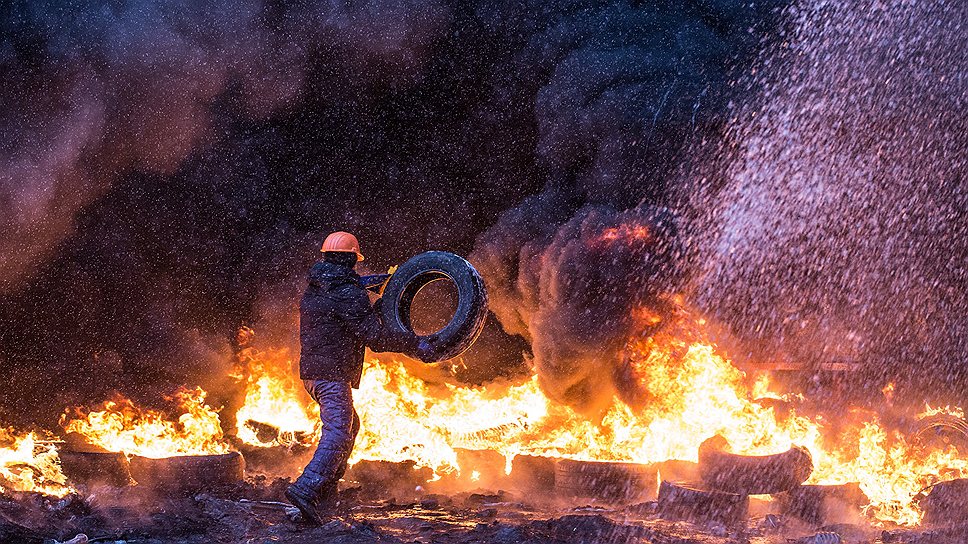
(168, 169)
(631, 88)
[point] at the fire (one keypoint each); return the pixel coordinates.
(948, 410)
(274, 401)
(120, 425)
(888, 391)
(682, 391)
(626, 232)
(692, 393)
(891, 471)
(404, 417)
(26, 464)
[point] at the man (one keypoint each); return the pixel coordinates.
(336, 324)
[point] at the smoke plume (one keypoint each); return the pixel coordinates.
(628, 88)
(168, 169)
(105, 88)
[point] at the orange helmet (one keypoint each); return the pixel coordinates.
(343, 241)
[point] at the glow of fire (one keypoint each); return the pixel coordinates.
(626, 232)
(27, 464)
(692, 392)
(273, 397)
(120, 425)
(695, 393)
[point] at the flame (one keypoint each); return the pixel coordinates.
(947, 410)
(890, 469)
(403, 417)
(120, 425)
(27, 464)
(274, 398)
(693, 393)
(646, 317)
(626, 232)
(683, 390)
(888, 392)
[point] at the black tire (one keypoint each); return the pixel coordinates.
(418, 272)
(533, 473)
(752, 474)
(690, 501)
(824, 504)
(185, 473)
(96, 468)
(608, 481)
(944, 502)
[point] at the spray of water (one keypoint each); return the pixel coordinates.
(836, 225)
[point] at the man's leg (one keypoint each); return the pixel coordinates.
(329, 461)
(354, 431)
(328, 495)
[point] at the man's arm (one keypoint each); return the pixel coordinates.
(360, 315)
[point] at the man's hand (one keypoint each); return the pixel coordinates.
(425, 351)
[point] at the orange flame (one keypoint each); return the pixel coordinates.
(684, 391)
(26, 464)
(274, 397)
(694, 393)
(122, 426)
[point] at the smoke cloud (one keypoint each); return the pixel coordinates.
(628, 89)
(168, 170)
(138, 217)
(105, 88)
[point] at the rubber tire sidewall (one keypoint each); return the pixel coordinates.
(469, 317)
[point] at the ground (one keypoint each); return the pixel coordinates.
(253, 512)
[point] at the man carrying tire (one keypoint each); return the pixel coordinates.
(336, 324)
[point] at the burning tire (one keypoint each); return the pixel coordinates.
(689, 501)
(389, 478)
(188, 472)
(93, 468)
(824, 504)
(941, 431)
(608, 481)
(533, 473)
(749, 474)
(945, 501)
(418, 272)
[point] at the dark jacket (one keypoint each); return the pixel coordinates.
(336, 323)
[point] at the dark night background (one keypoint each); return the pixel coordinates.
(168, 171)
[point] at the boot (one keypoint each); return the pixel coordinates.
(328, 498)
(304, 495)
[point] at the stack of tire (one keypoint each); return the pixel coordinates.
(727, 480)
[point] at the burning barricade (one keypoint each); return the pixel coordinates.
(704, 450)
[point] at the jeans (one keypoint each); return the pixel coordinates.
(340, 426)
